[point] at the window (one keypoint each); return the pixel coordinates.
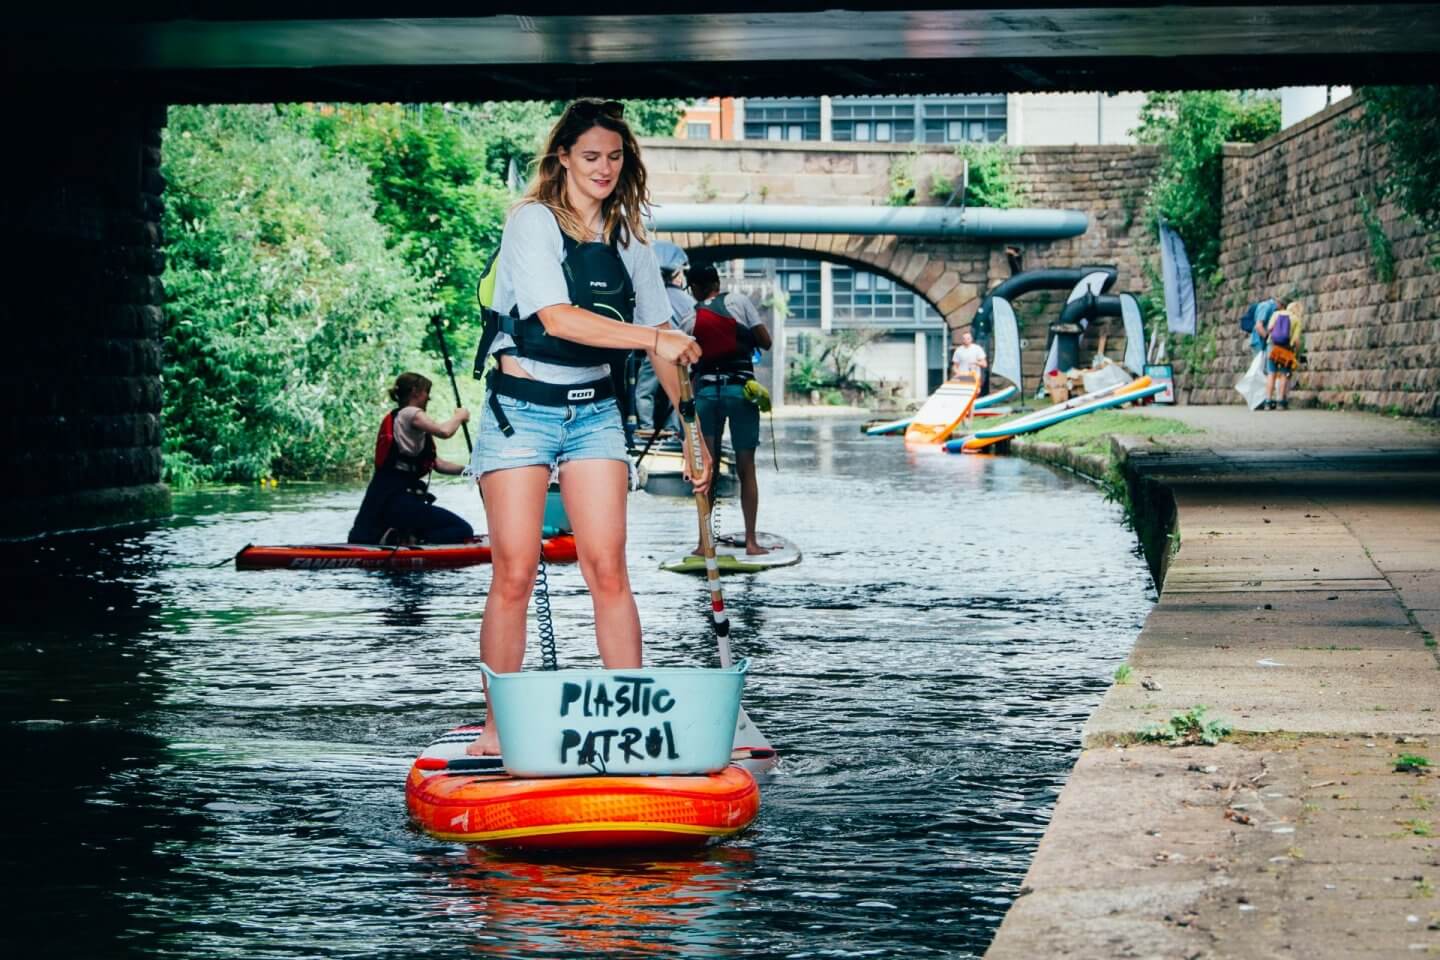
(882, 120)
(782, 118)
(800, 281)
(697, 131)
(958, 119)
(864, 299)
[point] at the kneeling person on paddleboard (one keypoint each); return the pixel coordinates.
(398, 507)
(729, 329)
(577, 287)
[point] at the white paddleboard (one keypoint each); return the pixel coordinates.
(730, 555)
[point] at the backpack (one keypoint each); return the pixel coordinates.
(1280, 328)
(1247, 319)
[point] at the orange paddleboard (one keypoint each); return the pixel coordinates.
(944, 411)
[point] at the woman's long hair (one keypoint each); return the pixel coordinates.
(628, 202)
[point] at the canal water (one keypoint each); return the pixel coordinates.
(207, 763)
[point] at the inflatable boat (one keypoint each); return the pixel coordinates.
(452, 796)
(353, 556)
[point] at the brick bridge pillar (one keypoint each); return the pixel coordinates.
(83, 318)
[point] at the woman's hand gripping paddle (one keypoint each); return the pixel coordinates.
(751, 750)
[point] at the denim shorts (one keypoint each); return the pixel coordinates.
(728, 403)
(548, 436)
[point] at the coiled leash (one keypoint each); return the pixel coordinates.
(544, 624)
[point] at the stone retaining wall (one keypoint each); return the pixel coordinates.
(85, 318)
(1293, 223)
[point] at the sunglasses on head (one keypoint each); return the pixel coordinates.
(613, 109)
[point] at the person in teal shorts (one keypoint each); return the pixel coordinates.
(729, 330)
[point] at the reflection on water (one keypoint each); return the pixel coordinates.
(631, 907)
(211, 763)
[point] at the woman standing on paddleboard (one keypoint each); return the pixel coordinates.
(577, 287)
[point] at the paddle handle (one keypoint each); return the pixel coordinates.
(691, 421)
(450, 369)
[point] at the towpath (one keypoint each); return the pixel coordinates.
(1301, 605)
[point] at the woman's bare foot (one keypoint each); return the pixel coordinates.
(485, 745)
(754, 549)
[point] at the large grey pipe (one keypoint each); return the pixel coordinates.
(978, 222)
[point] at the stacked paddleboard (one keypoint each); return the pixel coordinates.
(1113, 396)
(983, 407)
(944, 411)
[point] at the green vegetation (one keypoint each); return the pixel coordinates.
(283, 301)
(829, 362)
(1187, 729)
(992, 179)
(307, 249)
(1123, 673)
(1411, 763)
(1191, 129)
(1407, 121)
(1091, 433)
(1382, 254)
(902, 181)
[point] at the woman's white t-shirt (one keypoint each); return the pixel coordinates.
(529, 276)
(409, 438)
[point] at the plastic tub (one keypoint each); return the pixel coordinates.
(652, 720)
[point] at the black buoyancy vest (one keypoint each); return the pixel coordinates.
(396, 474)
(726, 344)
(596, 280)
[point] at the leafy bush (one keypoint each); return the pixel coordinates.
(830, 360)
(1407, 121)
(1191, 129)
(443, 208)
(992, 181)
(284, 300)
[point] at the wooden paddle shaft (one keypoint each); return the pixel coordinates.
(691, 420)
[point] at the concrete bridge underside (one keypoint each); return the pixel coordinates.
(435, 50)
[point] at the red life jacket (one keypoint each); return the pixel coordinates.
(725, 343)
(389, 457)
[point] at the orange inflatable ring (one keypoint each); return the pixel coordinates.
(454, 797)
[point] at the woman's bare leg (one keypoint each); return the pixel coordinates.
(594, 493)
(514, 556)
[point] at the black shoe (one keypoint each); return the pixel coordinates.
(1284, 404)
(1270, 404)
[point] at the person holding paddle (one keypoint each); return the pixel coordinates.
(577, 286)
(397, 508)
(729, 330)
